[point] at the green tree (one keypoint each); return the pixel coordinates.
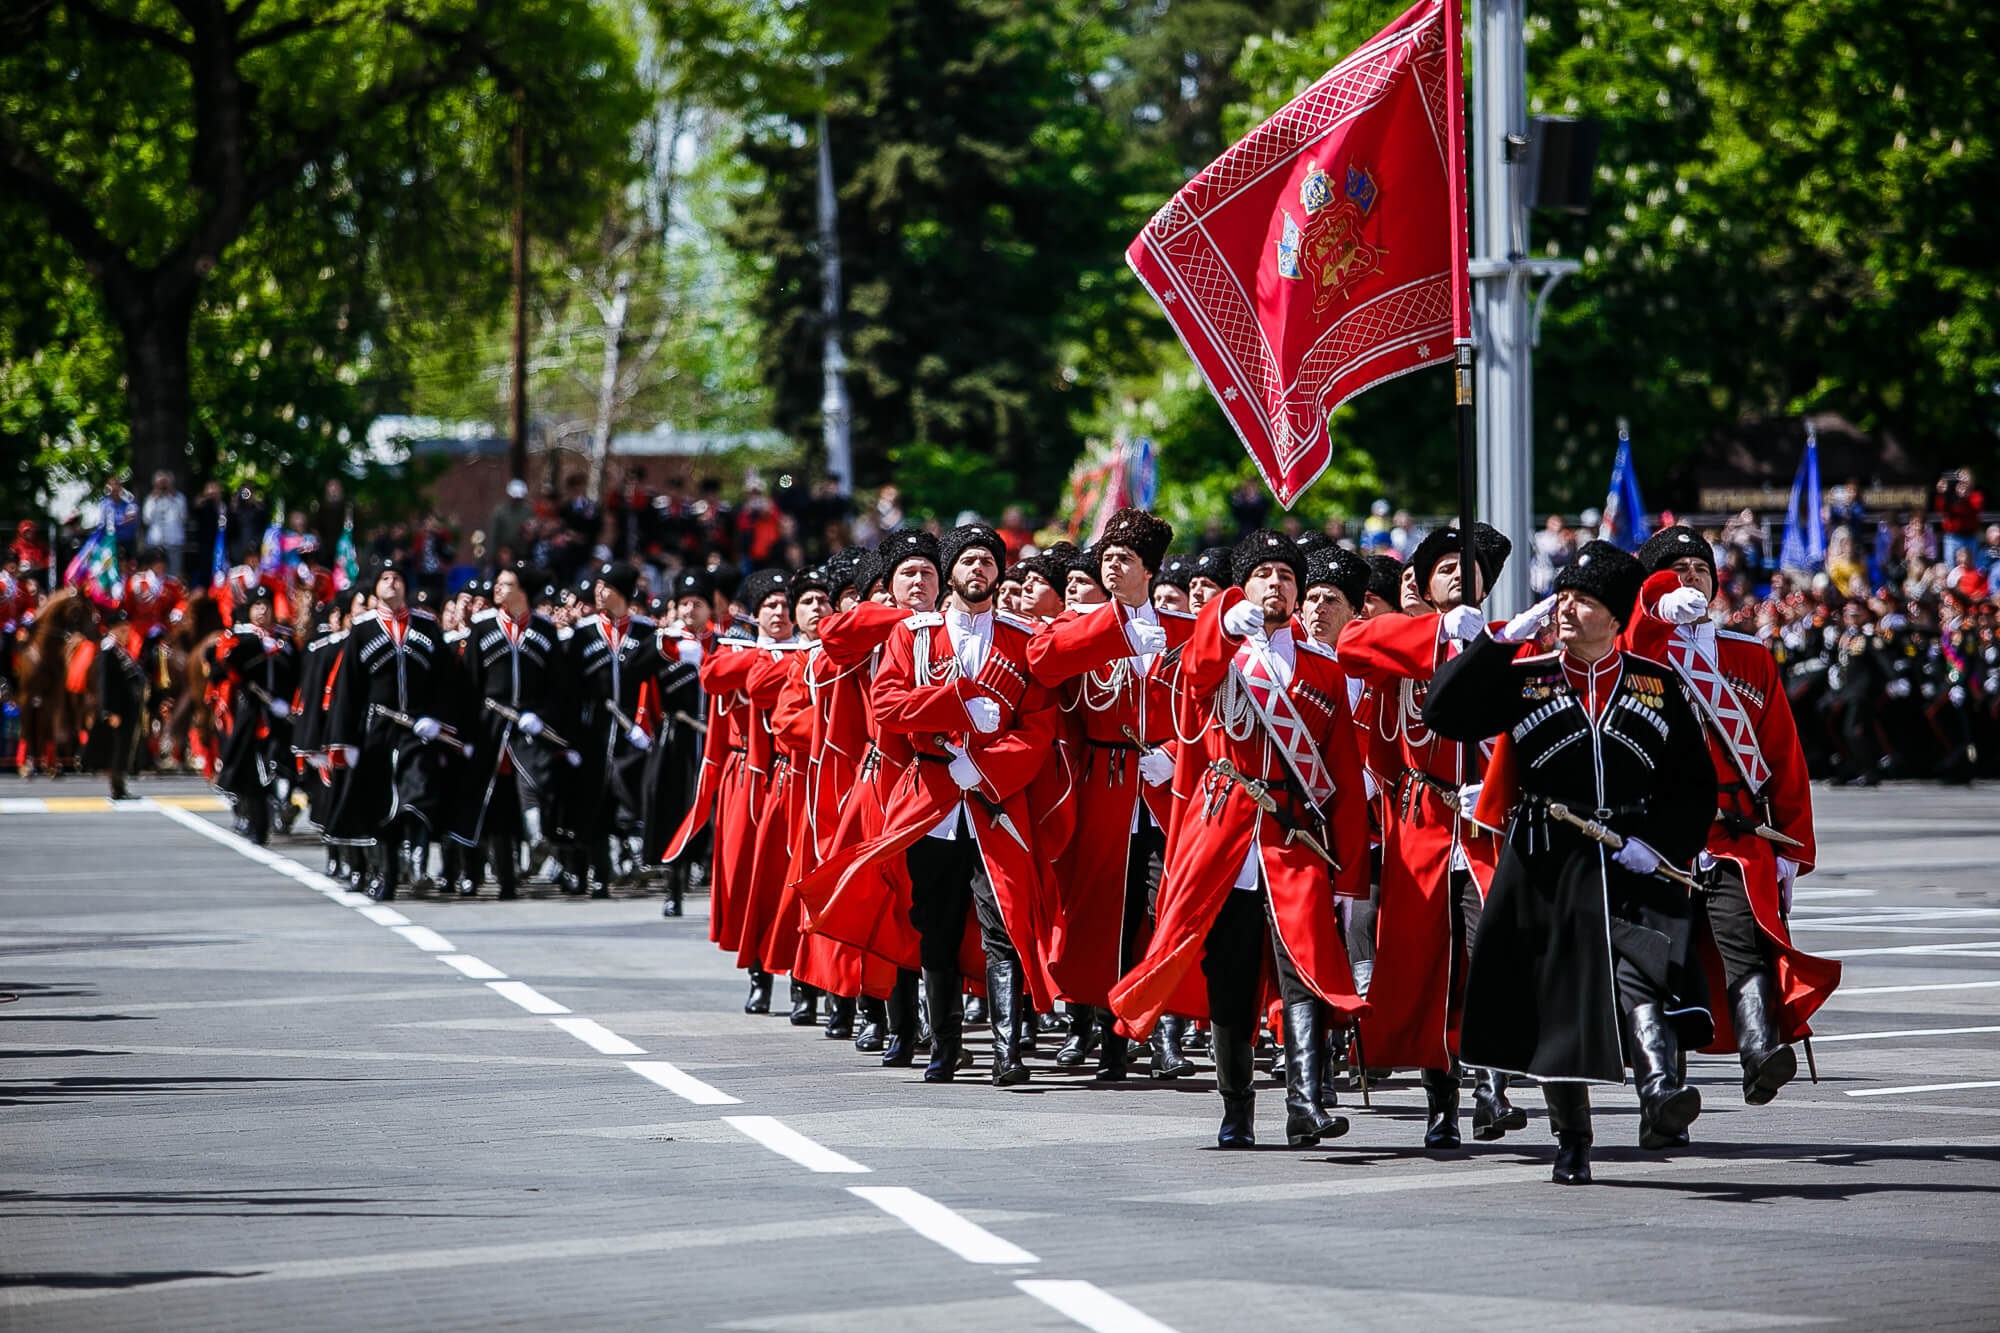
(248, 191)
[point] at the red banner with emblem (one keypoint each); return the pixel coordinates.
(1325, 252)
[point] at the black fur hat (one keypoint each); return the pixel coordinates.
(963, 538)
(1675, 543)
(1339, 568)
(760, 587)
(1489, 546)
(867, 574)
(622, 579)
(1141, 533)
(1212, 564)
(840, 568)
(1311, 542)
(1385, 578)
(1605, 572)
(907, 544)
(1262, 546)
(694, 583)
(805, 581)
(1085, 562)
(1176, 572)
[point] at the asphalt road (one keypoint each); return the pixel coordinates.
(234, 1097)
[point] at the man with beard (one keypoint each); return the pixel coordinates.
(610, 660)
(1770, 987)
(1579, 938)
(1436, 862)
(1274, 769)
(393, 695)
(515, 676)
(955, 686)
(1111, 667)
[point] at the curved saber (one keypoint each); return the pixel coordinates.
(1260, 793)
(1596, 832)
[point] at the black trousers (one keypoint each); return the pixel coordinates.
(124, 739)
(1145, 863)
(948, 879)
(1233, 961)
(1361, 914)
(1463, 908)
(1731, 922)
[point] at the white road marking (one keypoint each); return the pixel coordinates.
(383, 916)
(263, 856)
(1923, 1087)
(1844, 928)
(1929, 985)
(1091, 1306)
(476, 968)
(1803, 894)
(597, 1036)
(521, 993)
(680, 1083)
(1906, 1032)
(426, 939)
(1961, 949)
(23, 805)
(1843, 916)
(785, 1141)
(935, 1222)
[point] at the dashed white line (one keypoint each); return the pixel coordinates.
(939, 1224)
(1928, 985)
(521, 993)
(1904, 1032)
(597, 1036)
(476, 968)
(1959, 949)
(785, 1141)
(681, 1083)
(426, 939)
(1092, 1306)
(1923, 1087)
(23, 805)
(383, 916)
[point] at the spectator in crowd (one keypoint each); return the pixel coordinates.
(248, 517)
(1249, 506)
(1553, 547)
(1014, 531)
(510, 516)
(1403, 535)
(209, 510)
(581, 514)
(165, 514)
(118, 512)
(28, 551)
(1957, 505)
(329, 516)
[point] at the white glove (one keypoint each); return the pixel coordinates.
(985, 713)
(1463, 623)
(1684, 606)
(1146, 640)
(1637, 857)
(1468, 797)
(1155, 767)
(1526, 625)
(1898, 689)
(1956, 694)
(427, 728)
(639, 739)
(1788, 870)
(689, 651)
(1244, 620)
(531, 726)
(964, 772)
(280, 709)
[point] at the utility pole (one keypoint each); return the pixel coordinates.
(517, 393)
(1501, 273)
(835, 417)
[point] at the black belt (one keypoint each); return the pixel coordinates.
(739, 749)
(1599, 813)
(929, 758)
(1114, 745)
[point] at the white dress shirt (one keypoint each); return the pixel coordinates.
(1284, 655)
(971, 639)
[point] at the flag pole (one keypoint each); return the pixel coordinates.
(1461, 301)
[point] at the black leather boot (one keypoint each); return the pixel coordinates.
(1492, 1114)
(571, 875)
(942, 996)
(1569, 1117)
(759, 999)
(506, 860)
(1667, 1106)
(975, 1010)
(1004, 1003)
(870, 1033)
(1112, 1049)
(805, 1005)
(1768, 1064)
(899, 1016)
(380, 882)
(1235, 1069)
(1441, 1095)
(1307, 1120)
(676, 886)
(451, 861)
(839, 1018)
(1168, 1059)
(1082, 1038)
(418, 849)
(600, 869)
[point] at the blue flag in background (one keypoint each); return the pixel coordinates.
(218, 573)
(1624, 521)
(1805, 527)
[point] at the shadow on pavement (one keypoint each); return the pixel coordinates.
(111, 1281)
(43, 1092)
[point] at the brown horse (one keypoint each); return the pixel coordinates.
(53, 717)
(183, 711)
